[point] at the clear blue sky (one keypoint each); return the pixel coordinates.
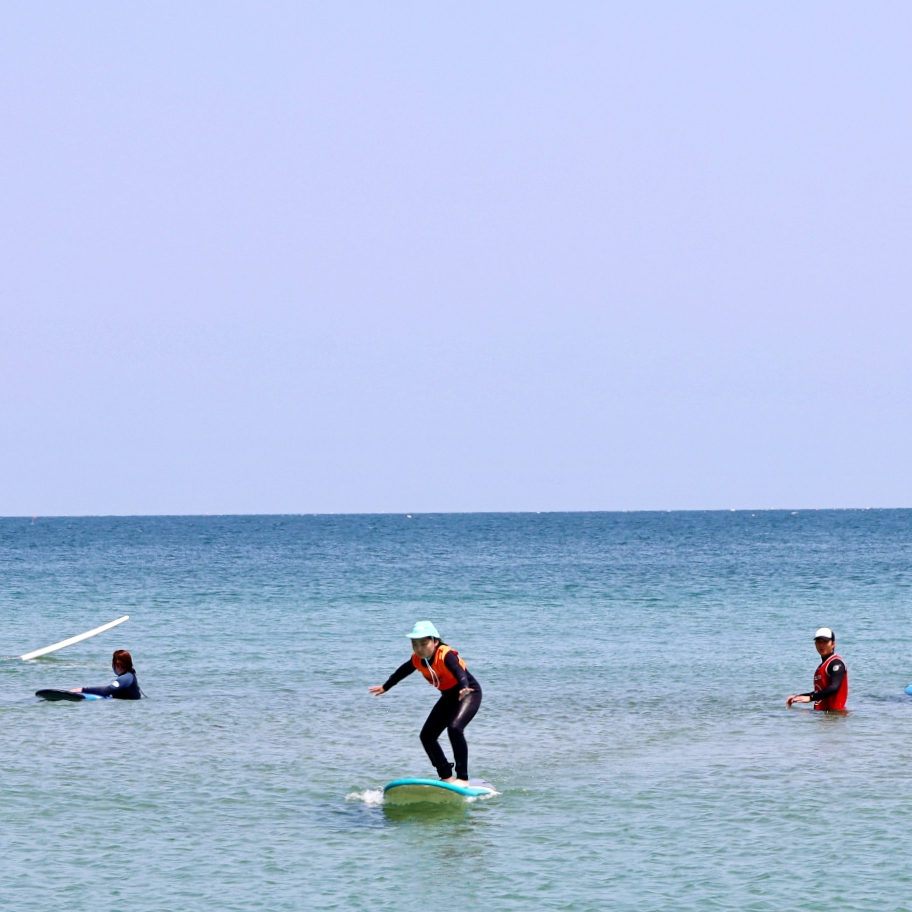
(350, 257)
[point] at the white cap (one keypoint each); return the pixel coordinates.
(824, 634)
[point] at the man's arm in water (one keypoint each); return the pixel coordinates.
(837, 671)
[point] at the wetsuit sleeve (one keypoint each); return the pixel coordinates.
(403, 671)
(837, 672)
(122, 682)
(452, 664)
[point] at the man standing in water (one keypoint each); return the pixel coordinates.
(831, 679)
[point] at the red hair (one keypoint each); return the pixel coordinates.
(122, 658)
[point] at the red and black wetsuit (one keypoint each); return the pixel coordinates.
(831, 684)
(447, 672)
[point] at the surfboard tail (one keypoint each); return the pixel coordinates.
(56, 696)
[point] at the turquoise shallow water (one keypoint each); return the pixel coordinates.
(634, 667)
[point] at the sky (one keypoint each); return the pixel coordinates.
(362, 257)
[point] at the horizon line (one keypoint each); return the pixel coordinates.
(413, 513)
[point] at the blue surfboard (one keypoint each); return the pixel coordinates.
(416, 791)
(54, 695)
(909, 690)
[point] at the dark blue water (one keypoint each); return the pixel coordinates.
(634, 666)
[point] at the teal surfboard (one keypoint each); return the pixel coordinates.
(433, 791)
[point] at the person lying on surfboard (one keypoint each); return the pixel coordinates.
(124, 687)
(460, 697)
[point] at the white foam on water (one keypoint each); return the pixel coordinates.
(484, 797)
(371, 797)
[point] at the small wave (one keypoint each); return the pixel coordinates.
(371, 797)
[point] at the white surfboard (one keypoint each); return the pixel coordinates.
(73, 640)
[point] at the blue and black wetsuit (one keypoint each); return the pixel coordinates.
(123, 687)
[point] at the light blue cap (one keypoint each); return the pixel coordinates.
(424, 629)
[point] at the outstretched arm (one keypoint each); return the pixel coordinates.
(403, 671)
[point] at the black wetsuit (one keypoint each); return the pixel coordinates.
(449, 713)
(123, 687)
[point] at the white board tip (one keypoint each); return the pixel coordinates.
(73, 640)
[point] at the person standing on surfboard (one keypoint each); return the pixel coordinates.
(460, 697)
(831, 679)
(124, 687)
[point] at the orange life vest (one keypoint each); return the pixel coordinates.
(434, 670)
(822, 680)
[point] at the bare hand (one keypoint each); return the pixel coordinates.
(76, 690)
(797, 698)
(465, 692)
(376, 691)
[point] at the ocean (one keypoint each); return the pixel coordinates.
(635, 668)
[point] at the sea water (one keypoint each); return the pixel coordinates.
(634, 667)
